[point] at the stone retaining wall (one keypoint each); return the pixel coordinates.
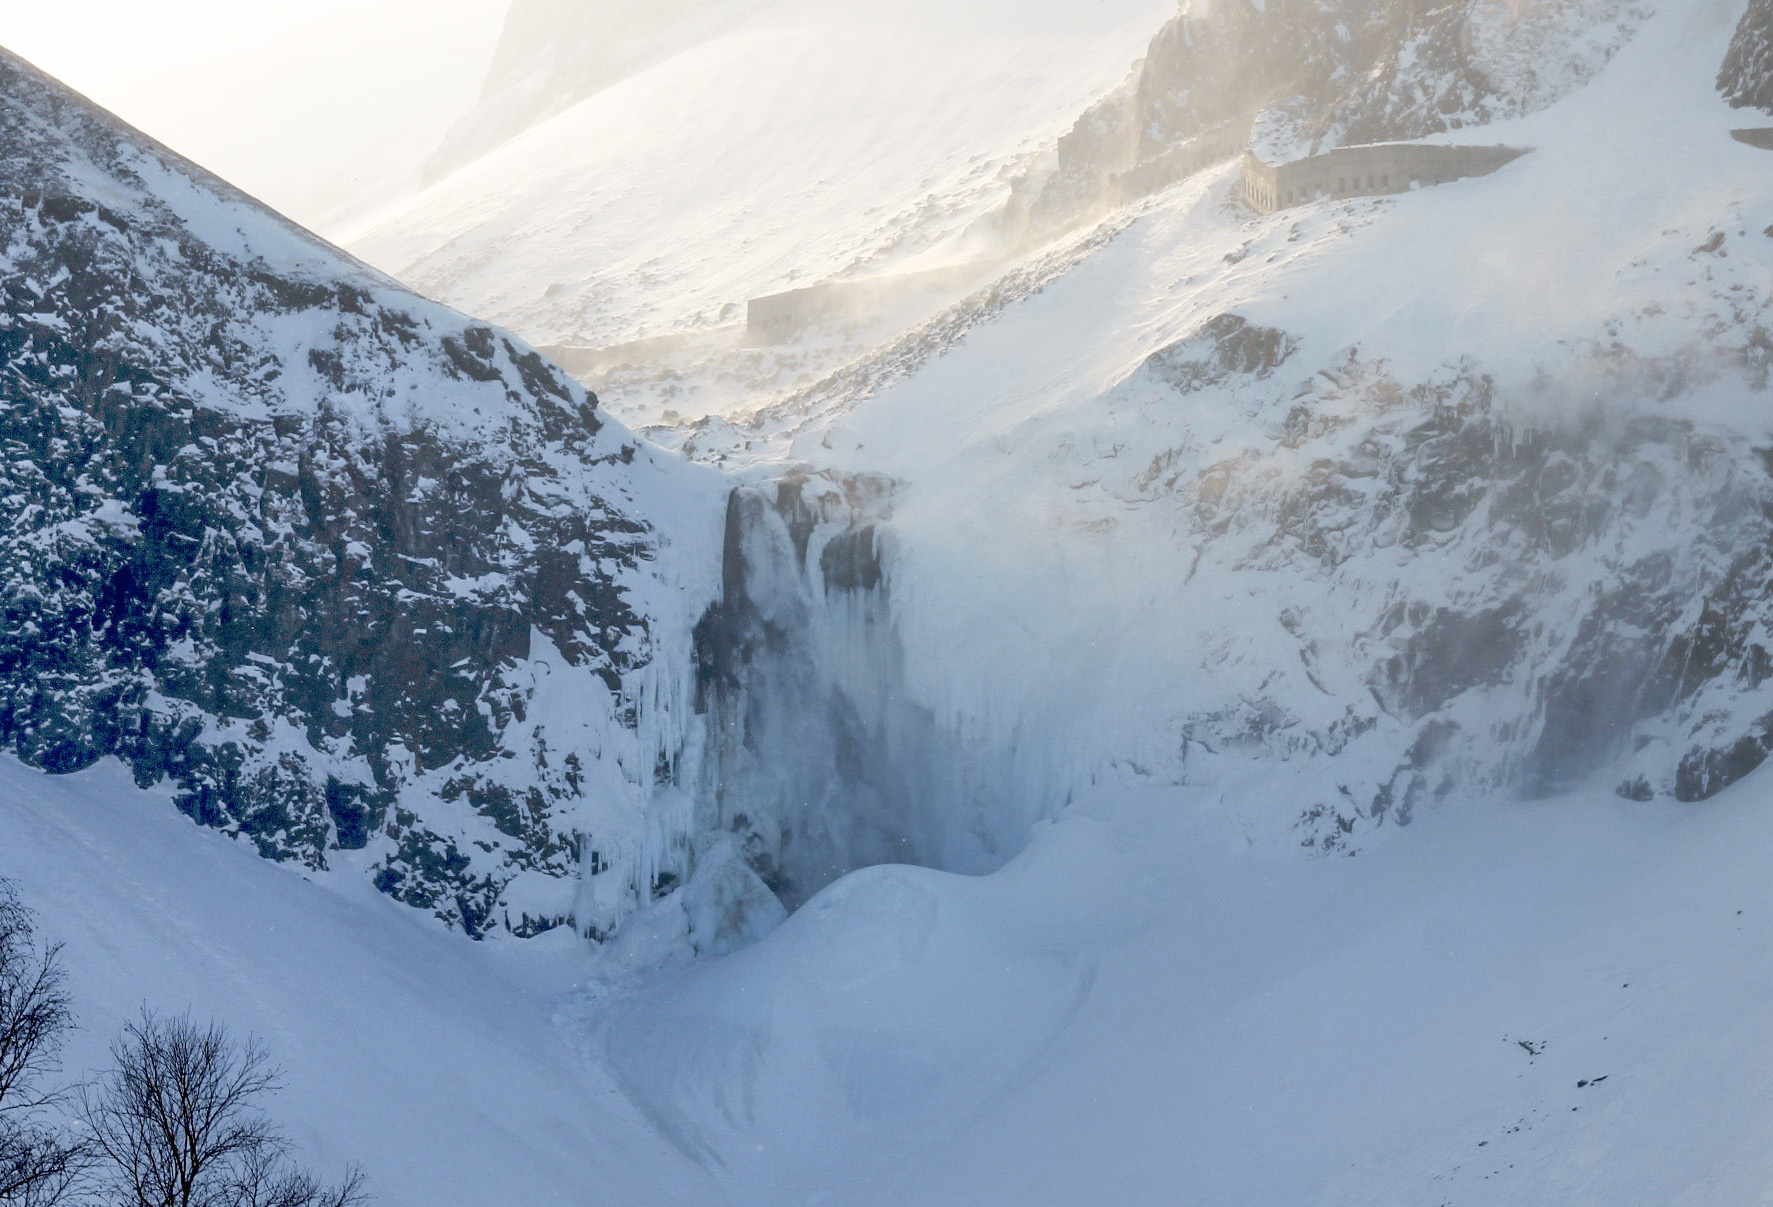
(1363, 171)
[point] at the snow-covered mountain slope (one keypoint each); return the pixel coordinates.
(892, 139)
(430, 1060)
(1560, 1003)
(1387, 501)
(371, 582)
(554, 53)
(800, 141)
(1132, 1011)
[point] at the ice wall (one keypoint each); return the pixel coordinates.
(819, 759)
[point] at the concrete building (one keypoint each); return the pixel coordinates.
(1365, 171)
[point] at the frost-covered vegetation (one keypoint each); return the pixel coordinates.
(177, 1120)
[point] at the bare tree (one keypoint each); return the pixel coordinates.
(39, 1165)
(177, 1123)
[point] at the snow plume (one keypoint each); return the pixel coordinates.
(820, 759)
(1277, 579)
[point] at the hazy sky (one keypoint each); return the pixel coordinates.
(312, 105)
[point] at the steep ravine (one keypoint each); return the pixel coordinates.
(374, 587)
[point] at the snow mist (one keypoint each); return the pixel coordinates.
(819, 760)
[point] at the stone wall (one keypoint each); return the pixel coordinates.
(1364, 171)
(1186, 159)
(778, 317)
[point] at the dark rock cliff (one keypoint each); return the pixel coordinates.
(295, 541)
(1746, 78)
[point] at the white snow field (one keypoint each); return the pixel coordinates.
(1136, 1010)
(430, 1059)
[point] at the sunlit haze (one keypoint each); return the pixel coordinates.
(311, 105)
(963, 603)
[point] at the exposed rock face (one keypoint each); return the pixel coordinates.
(354, 574)
(1490, 605)
(1323, 75)
(1746, 78)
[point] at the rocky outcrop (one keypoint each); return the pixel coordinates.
(1324, 75)
(365, 582)
(1746, 77)
(1490, 604)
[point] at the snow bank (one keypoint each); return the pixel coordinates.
(428, 1059)
(1555, 1003)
